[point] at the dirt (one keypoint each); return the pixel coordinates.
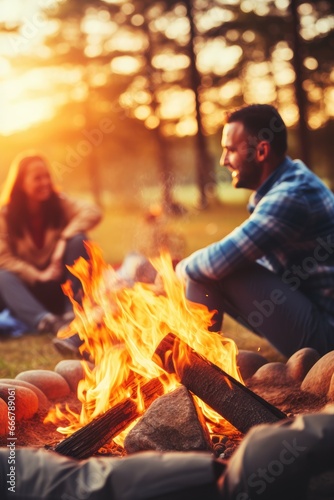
(291, 400)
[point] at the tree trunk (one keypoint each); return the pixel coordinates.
(204, 164)
(300, 93)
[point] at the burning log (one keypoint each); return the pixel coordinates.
(88, 440)
(224, 394)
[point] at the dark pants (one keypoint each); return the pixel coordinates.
(263, 303)
(30, 303)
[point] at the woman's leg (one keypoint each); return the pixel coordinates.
(19, 299)
(75, 248)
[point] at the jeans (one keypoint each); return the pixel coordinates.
(30, 303)
(263, 303)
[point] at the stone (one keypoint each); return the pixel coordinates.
(72, 371)
(249, 362)
(318, 379)
(300, 363)
(3, 418)
(274, 373)
(51, 383)
(173, 422)
(43, 402)
(25, 401)
(330, 393)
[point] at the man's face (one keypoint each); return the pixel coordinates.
(240, 156)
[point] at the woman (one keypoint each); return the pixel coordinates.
(41, 232)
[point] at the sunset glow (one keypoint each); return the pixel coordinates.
(33, 91)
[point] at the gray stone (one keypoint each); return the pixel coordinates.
(51, 383)
(318, 379)
(72, 371)
(25, 400)
(274, 373)
(43, 402)
(300, 363)
(3, 418)
(172, 422)
(249, 362)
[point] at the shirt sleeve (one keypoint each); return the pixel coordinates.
(81, 216)
(278, 219)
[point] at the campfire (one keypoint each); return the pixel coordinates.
(144, 343)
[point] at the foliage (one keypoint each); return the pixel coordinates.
(164, 73)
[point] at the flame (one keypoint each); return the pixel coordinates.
(121, 325)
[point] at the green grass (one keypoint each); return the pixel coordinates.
(122, 230)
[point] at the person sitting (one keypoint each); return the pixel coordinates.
(275, 272)
(41, 232)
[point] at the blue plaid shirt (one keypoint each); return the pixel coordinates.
(290, 231)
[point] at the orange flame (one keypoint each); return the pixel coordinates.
(121, 325)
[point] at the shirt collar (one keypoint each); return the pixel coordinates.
(268, 183)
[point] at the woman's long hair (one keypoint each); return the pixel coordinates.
(14, 198)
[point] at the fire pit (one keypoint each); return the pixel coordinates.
(145, 346)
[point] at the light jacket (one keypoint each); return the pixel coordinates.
(21, 255)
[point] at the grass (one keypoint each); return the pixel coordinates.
(123, 229)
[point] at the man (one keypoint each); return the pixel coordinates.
(275, 272)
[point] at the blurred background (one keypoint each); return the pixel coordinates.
(127, 99)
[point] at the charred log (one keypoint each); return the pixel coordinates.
(89, 439)
(222, 392)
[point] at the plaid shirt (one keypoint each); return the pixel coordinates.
(290, 231)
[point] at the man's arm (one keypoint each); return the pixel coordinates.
(277, 221)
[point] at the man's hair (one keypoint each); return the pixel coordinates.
(264, 122)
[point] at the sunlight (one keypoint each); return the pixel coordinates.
(169, 61)
(187, 126)
(33, 89)
(126, 41)
(229, 90)
(216, 57)
(176, 103)
(290, 114)
(126, 65)
(329, 100)
(28, 99)
(17, 11)
(21, 115)
(214, 17)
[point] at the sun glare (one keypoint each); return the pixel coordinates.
(32, 91)
(21, 115)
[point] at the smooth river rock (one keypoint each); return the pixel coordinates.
(249, 362)
(43, 402)
(274, 373)
(300, 363)
(51, 383)
(318, 379)
(3, 418)
(25, 400)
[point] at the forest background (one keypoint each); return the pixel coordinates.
(123, 97)
(127, 99)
